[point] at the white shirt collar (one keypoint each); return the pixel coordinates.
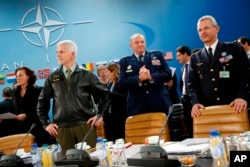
(139, 55)
(213, 46)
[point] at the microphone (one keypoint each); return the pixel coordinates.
(80, 154)
(13, 159)
(156, 151)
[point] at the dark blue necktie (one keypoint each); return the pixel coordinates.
(210, 53)
(140, 59)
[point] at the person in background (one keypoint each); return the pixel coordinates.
(245, 43)
(72, 89)
(101, 72)
(217, 72)
(172, 88)
(6, 106)
(183, 56)
(116, 116)
(25, 102)
(143, 74)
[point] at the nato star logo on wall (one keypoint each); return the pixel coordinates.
(39, 29)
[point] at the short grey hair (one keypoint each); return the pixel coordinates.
(69, 44)
(208, 17)
(136, 35)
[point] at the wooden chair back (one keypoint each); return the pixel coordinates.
(100, 131)
(139, 127)
(221, 118)
(8, 144)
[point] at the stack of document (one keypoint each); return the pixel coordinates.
(7, 115)
(187, 146)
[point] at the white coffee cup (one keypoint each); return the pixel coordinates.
(81, 145)
(153, 140)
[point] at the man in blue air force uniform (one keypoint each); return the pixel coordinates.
(143, 74)
(217, 72)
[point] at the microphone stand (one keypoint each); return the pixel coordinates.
(156, 151)
(80, 154)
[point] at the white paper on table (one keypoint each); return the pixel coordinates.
(179, 148)
(7, 115)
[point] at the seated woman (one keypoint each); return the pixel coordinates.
(25, 101)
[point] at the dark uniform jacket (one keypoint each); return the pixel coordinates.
(149, 96)
(220, 80)
(72, 103)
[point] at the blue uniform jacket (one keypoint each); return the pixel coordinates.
(148, 96)
(220, 80)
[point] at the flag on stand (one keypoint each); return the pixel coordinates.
(11, 77)
(1, 79)
(44, 73)
(89, 66)
(168, 56)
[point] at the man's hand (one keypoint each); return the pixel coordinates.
(144, 74)
(170, 83)
(93, 119)
(52, 129)
(196, 110)
(239, 105)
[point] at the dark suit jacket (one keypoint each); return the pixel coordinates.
(116, 116)
(148, 96)
(205, 83)
(6, 106)
(6, 126)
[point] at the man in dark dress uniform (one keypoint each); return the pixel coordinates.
(217, 72)
(143, 74)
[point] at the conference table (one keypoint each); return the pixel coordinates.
(204, 161)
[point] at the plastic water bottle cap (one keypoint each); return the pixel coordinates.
(34, 145)
(99, 139)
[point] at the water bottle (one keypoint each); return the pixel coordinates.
(102, 153)
(35, 154)
(105, 141)
(217, 149)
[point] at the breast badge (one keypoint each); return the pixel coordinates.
(129, 68)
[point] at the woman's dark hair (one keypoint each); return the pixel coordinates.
(30, 73)
(113, 67)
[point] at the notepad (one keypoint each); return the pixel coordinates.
(190, 146)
